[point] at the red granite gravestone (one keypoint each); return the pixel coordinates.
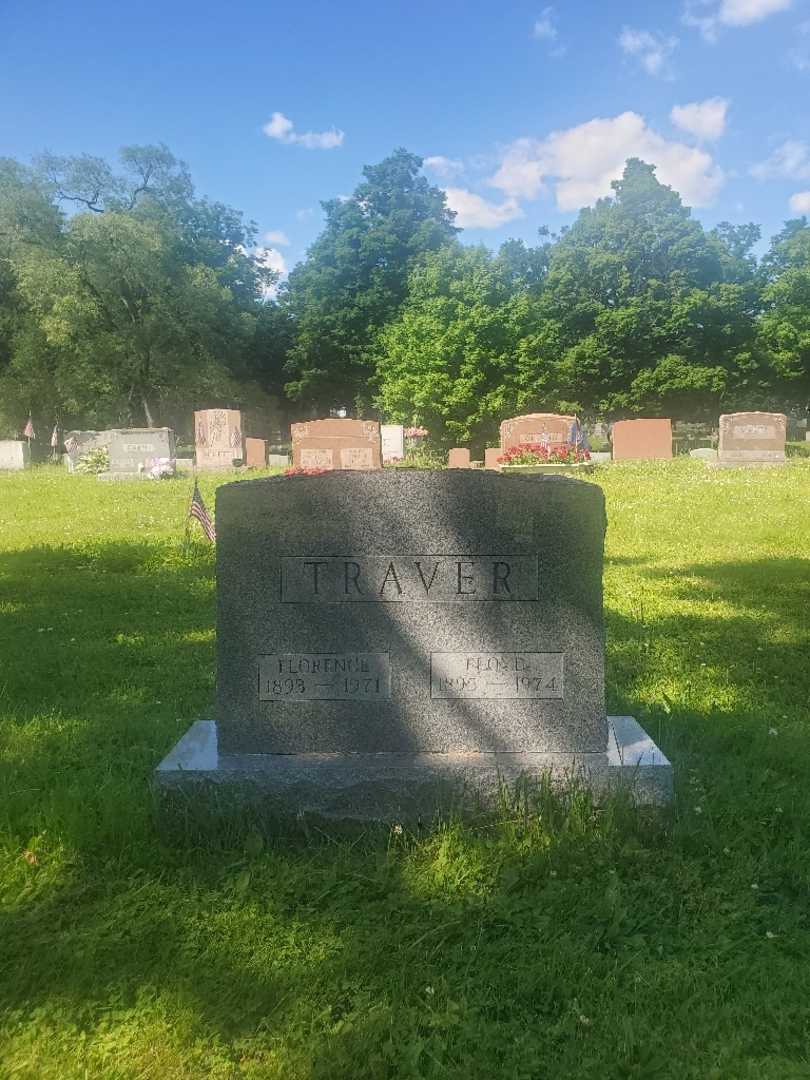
(336, 444)
(255, 453)
(548, 429)
(642, 440)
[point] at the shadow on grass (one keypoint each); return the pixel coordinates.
(525, 941)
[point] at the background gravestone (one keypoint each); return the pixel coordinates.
(491, 455)
(255, 453)
(642, 440)
(14, 455)
(752, 438)
(392, 437)
(217, 438)
(78, 443)
(134, 450)
(389, 641)
(548, 429)
(336, 444)
(458, 458)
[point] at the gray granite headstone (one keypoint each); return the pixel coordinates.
(393, 643)
(14, 455)
(133, 450)
(423, 611)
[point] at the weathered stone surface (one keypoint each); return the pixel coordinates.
(491, 455)
(458, 458)
(442, 611)
(218, 438)
(337, 444)
(393, 442)
(548, 429)
(642, 440)
(752, 438)
(14, 455)
(703, 453)
(134, 450)
(255, 453)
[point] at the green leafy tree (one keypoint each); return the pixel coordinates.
(785, 326)
(143, 303)
(355, 278)
(642, 310)
(445, 361)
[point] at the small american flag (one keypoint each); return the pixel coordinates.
(71, 445)
(236, 438)
(29, 429)
(55, 437)
(197, 510)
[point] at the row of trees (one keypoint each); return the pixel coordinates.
(126, 298)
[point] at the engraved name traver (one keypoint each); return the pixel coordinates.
(408, 578)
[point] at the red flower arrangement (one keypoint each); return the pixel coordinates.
(300, 470)
(541, 454)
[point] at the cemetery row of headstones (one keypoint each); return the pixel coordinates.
(752, 438)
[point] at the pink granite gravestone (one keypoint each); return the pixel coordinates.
(458, 458)
(642, 440)
(548, 429)
(337, 444)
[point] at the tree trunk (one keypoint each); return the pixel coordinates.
(147, 412)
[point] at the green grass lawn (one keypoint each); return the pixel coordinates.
(566, 943)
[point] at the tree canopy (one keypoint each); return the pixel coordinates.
(127, 298)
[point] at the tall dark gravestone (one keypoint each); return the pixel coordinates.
(391, 642)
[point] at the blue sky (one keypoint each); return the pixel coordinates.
(523, 111)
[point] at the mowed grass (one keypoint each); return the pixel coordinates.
(559, 942)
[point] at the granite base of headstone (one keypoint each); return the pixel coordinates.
(703, 453)
(395, 644)
(14, 455)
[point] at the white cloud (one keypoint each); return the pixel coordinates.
(746, 12)
(306, 214)
(582, 161)
(651, 50)
(272, 260)
(276, 237)
(474, 212)
(444, 166)
(281, 128)
(544, 28)
(790, 161)
(709, 16)
(800, 202)
(704, 119)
